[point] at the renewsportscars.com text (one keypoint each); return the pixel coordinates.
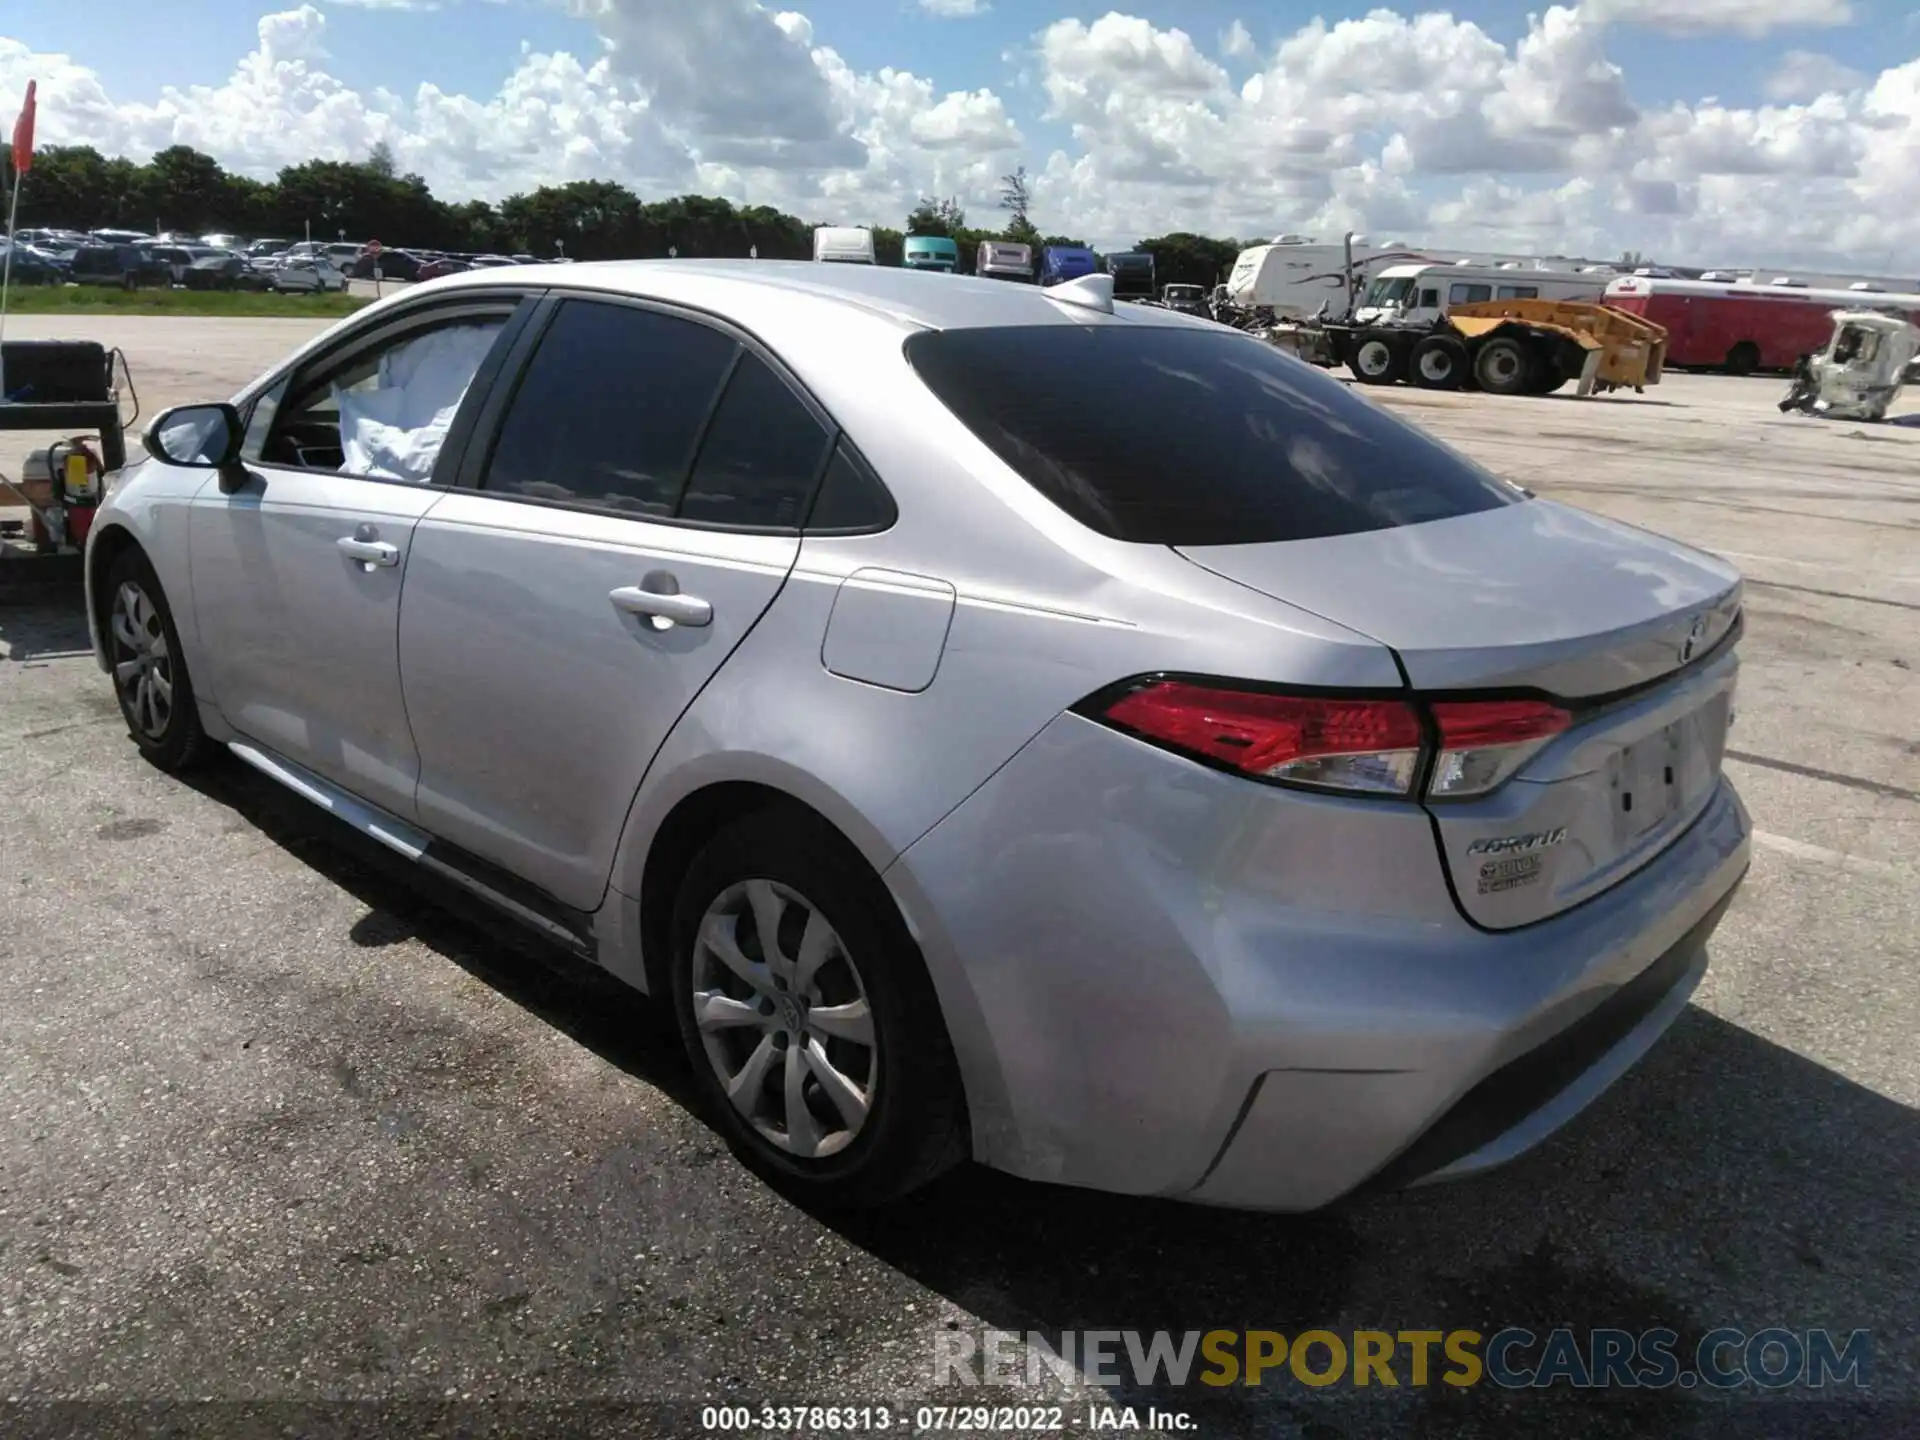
(1513, 1358)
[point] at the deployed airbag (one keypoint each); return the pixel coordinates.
(394, 430)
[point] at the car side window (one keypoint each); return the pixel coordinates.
(610, 408)
(382, 411)
(761, 456)
(1469, 294)
(851, 498)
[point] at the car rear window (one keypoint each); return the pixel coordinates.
(1168, 435)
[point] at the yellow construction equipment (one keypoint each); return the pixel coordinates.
(1603, 348)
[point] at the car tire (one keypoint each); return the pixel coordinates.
(1502, 366)
(1439, 363)
(847, 1116)
(1375, 362)
(150, 678)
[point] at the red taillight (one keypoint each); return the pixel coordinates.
(1364, 745)
(1483, 742)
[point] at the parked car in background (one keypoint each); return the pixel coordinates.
(313, 274)
(445, 265)
(392, 264)
(118, 237)
(30, 265)
(223, 270)
(1244, 809)
(177, 260)
(492, 262)
(260, 248)
(1187, 299)
(131, 266)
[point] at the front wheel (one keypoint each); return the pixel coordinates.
(809, 1018)
(149, 672)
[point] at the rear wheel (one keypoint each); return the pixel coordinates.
(1502, 366)
(1376, 362)
(1743, 359)
(149, 672)
(1439, 363)
(808, 1016)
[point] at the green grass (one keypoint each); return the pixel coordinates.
(109, 300)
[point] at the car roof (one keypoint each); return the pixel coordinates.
(911, 299)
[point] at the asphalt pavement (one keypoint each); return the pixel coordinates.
(293, 1141)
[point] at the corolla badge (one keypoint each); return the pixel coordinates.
(1518, 844)
(1696, 635)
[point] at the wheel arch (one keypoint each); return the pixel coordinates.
(656, 864)
(105, 545)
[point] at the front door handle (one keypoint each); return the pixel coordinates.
(369, 552)
(666, 607)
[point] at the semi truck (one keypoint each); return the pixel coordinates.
(930, 252)
(1060, 263)
(1004, 260)
(1132, 275)
(843, 245)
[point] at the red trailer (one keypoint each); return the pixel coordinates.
(1744, 328)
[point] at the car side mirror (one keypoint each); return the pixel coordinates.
(201, 437)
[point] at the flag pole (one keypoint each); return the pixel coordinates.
(6, 279)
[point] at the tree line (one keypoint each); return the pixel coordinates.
(183, 190)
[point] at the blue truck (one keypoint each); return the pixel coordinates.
(1060, 263)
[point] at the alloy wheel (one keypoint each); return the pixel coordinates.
(783, 1016)
(142, 661)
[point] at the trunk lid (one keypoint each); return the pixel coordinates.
(1631, 632)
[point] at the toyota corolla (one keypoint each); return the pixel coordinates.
(1000, 723)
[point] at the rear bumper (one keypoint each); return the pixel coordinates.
(1162, 980)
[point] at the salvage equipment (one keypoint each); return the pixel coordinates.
(66, 388)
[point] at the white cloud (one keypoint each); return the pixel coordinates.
(1414, 126)
(1709, 17)
(1804, 75)
(955, 9)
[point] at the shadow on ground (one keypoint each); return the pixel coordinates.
(1728, 1181)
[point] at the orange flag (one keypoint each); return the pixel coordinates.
(23, 134)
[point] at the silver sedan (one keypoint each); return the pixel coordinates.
(1000, 723)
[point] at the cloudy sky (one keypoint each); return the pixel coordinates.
(1704, 131)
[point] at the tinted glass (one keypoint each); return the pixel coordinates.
(1172, 436)
(610, 409)
(850, 497)
(1469, 294)
(759, 461)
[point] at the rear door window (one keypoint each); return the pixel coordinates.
(610, 409)
(1168, 436)
(759, 461)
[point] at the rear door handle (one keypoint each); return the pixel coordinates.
(669, 606)
(370, 552)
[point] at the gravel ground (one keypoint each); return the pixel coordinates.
(293, 1143)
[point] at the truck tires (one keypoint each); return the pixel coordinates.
(1375, 362)
(1502, 366)
(1439, 363)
